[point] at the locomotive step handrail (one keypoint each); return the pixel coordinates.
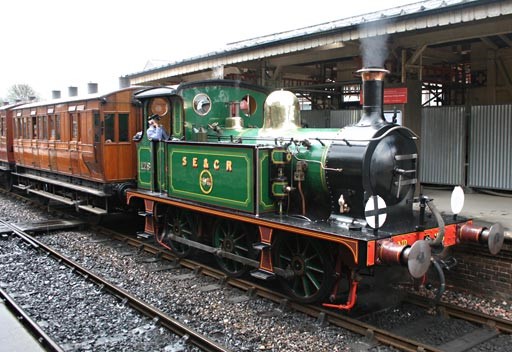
(413, 136)
(406, 182)
(399, 157)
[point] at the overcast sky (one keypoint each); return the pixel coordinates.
(54, 44)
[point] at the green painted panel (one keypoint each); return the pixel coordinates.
(145, 164)
(144, 161)
(266, 201)
(222, 176)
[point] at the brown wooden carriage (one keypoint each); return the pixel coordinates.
(6, 140)
(77, 150)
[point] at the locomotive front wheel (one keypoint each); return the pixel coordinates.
(180, 223)
(311, 264)
(236, 238)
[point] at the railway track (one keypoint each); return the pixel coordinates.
(30, 325)
(372, 333)
(450, 310)
(157, 316)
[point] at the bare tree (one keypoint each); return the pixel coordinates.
(22, 92)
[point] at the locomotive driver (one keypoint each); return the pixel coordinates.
(155, 131)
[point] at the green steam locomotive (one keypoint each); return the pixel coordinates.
(237, 176)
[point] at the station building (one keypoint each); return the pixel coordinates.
(450, 80)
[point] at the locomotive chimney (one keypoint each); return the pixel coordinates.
(373, 95)
(124, 82)
(55, 94)
(72, 91)
(92, 88)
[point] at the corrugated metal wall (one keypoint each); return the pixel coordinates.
(315, 118)
(342, 118)
(443, 145)
(329, 118)
(490, 148)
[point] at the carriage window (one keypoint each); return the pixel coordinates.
(15, 128)
(23, 128)
(17, 133)
(57, 127)
(26, 127)
(202, 104)
(74, 127)
(97, 135)
(40, 127)
(78, 122)
(42, 122)
(123, 128)
(109, 127)
(51, 125)
(34, 128)
(2, 126)
(45, 127)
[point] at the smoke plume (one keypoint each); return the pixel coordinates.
(373, 47)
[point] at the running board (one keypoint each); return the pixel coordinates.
(74, 187)
(52, 196)
(94, 210)
(89, 208)
(21, 187)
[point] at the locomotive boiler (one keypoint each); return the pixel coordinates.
(241, 179)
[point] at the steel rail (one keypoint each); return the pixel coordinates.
(35, 330)
(180, 329)
(502, 325)
(321, 314)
